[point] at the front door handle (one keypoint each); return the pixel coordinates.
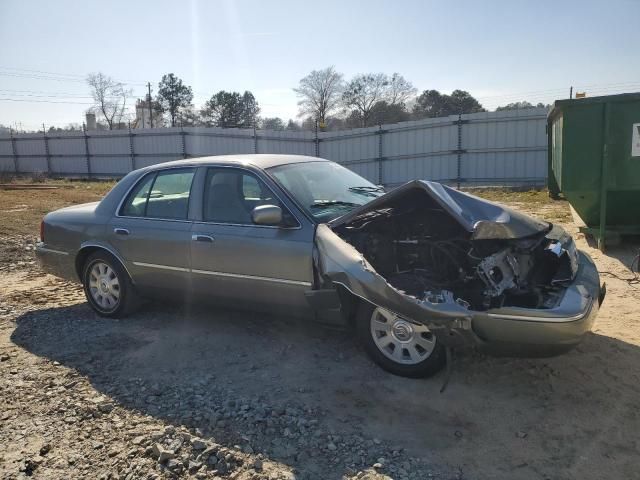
(120, 231)
(202, 238)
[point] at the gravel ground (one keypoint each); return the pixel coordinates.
(178, 392)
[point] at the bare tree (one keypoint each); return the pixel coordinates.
(363, 92)
(319, 93)
(110, 97)
(399, 90)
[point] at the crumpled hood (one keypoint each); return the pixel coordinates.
(483, 219)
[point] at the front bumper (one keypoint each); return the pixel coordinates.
(540, 332)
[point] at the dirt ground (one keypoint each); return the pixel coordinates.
(224, 394)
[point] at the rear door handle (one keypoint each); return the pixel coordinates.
(120, 231)
(202, 238)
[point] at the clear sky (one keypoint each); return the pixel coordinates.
(500, 51)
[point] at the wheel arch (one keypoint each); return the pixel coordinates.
(90, 248)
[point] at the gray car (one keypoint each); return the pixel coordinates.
(415, 272)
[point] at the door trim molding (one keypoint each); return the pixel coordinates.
(285, 281)
(253, 277)
(161, 267)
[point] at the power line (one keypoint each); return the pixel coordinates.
(43, 101)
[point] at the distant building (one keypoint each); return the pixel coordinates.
(91, 121)
(144, 114)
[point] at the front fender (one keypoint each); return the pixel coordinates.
(339, 263)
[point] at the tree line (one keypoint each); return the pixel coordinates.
(326, 100)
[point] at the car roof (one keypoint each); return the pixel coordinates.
(257, 160)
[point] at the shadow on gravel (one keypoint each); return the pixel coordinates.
(573, 416)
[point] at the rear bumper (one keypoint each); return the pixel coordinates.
(540, 332)
(56, 262)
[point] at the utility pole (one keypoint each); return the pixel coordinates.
(571, 92)
(150, 108)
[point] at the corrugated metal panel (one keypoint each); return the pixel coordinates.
(435, 167)
(103, 144)
(74, 165)
(116, 166)
(32, 164)
(5, 146)
(6, 164)
(368, 170)
(514, 167)
(146, 161)
(30, 146)
(170, 143)
(349, 146)
(66, 146)
(292, 143)
(201, 142)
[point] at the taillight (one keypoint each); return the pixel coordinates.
(42, 230)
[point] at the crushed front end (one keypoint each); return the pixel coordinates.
(472, 271)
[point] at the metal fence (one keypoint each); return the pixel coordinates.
(493, 148)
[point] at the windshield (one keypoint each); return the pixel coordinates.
(326, 190)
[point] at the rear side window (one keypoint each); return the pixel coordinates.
(137, 201)
(163, 195)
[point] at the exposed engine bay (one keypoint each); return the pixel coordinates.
(424, 249)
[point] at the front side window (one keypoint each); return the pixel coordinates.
(161, 195)
(230, 195)
(325, 189)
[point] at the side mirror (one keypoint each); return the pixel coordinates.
(267, 215)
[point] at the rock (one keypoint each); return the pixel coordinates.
(98, 445)
(155, 436)
(45, 449)
(332, 446)
(378, 466)
(521, 434)
(198, 444)
(458, 433)
(139, 440)
(162, 454)
(4, 357)
(257, 464)
(222, 467)
(194, 466)
(105, 407)
(175, 465)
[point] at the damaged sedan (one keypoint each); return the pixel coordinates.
(415, 272)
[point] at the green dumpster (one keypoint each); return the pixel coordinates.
(594, 161)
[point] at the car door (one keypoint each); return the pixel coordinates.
(244, 264)
(152, 230)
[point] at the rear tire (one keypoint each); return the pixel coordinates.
(107, 286)
(398, 346)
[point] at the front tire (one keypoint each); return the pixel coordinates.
(107, 286)
(397, 345)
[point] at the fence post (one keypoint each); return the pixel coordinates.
(380, 132)
(86, 149)
(255, 140)
(184, 146)
(46, 150)
(459, 151)
(317, 140)
(131, 153)
(14, 151)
